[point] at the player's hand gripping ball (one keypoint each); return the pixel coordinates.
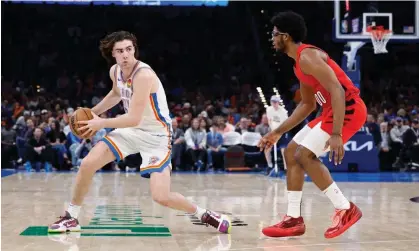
(81, 114)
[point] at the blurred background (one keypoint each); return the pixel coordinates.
(211, 57)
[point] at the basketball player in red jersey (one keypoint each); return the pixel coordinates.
(344, 113)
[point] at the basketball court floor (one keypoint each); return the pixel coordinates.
(119, 214)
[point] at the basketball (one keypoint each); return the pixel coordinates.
(80, 114)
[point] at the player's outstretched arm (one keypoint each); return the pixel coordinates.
(304, 108)
(111, 99)
(143, 83)
(312, 62)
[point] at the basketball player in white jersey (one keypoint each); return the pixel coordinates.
(145, 128)
(276, 114)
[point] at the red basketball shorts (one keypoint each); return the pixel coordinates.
(317, 132)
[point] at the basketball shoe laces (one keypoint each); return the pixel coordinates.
(337, 216)
(63, 218)
(283, 222)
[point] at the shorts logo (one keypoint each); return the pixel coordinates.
(153, 160)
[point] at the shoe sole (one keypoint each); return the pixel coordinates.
(294, 234)
(58, 231)
(346, 227)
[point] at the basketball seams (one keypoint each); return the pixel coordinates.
(88, 117)
(74, 119)
(77, 125)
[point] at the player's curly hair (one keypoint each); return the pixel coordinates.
(107, 43)
(291, 23)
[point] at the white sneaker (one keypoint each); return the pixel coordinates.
(65, 224)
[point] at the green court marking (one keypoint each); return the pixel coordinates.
(155, 229)
(117, 219)
(134, 231)
(117, 215)
(110, 223)
(117, 212)
(113, 221)
(127, 235)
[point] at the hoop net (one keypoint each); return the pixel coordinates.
(379, 38)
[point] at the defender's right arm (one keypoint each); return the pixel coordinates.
(304, 108)
(110, 100)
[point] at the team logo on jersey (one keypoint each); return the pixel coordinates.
(153, 160)
(129, 83)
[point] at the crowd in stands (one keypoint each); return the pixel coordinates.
(53, 65)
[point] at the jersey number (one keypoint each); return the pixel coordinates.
(319, 98)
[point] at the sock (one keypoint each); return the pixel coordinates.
(336, 197)
(294, 203)
(199, 212)
(74, 210)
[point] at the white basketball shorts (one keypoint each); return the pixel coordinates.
(314, 139)
(317, 132)
(155, 149)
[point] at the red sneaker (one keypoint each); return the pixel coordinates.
(287, 227)
(342, 220)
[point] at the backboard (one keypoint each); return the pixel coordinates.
(351, 19)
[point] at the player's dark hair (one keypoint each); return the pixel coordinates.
(291, 23)
(107, 43)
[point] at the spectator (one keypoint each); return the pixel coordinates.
(186, 120)
(203, 124)
(385, 155)
(223, 126)
(277, 114)
(56, 138)
(214, 148)
(411, 136)
(38, 151)
(196, 140)
(178, 144)
(373, 129)
(80, 149)
(411, 142)
(396, 135)
(263, 127)
(21, 122)
(8, 146)
(243, 126)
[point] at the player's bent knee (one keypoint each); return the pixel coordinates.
(302, 155)
(289, 153)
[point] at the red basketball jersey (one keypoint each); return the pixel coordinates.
(321, 94)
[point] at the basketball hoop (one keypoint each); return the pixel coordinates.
(379, 38)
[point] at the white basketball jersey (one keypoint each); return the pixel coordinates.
(156, 118)
(276, 117)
